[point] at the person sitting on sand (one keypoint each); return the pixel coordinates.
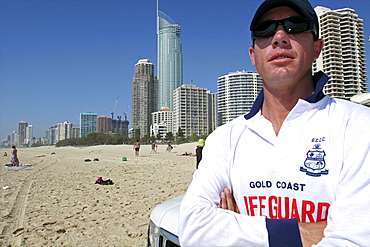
(14, 161)
(5, 154)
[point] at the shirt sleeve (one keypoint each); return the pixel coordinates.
(349, 214)
(202, 223)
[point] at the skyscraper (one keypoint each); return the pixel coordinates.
(190, 110)
(236, 94)
(343, 55)
(22, 128)
(104, 124)
(212, 111)
(75, 132)
(170, 74)
(29, 135)
(88, 123)
(14, 138)
(144, 96)
(52, 135)
(64, 131)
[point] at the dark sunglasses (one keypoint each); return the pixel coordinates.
(292, 25)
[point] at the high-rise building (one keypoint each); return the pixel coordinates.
(343, 55)
(75, 132)
(170, 69)
(144, 96)
(52, 135)
(6, 142)
(236, 94)
(104, 124)
(22, 128)
(212, 111)
(88, 123)
(120, 126)
(162, 123)
(190, 110)
(14, 139)
(29, 135)
(64, 131)
(124, 126)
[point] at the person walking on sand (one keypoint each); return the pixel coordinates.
(14, 161)
(153, 148)
(169, 147)
(137, 147)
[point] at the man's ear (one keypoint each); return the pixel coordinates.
(318, 45)
(251, 55)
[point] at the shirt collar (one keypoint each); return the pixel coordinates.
(319, 81)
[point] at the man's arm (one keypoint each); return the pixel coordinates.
(349, 214)
(311, 233)
(201, 222)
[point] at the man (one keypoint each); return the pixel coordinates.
(153, 147)
(169, 147)
(137, 148)
(298, 165)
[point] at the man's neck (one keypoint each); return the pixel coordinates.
(277, 104)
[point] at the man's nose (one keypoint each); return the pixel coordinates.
(280, 37)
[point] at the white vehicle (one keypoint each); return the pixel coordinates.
(162, 229)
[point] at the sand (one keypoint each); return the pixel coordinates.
(55, 201)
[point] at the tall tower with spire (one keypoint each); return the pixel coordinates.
(170, 70)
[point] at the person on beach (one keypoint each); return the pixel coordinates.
(137, 147)
(295, 170)
(185, 154)
(14, 161)
(199, 151)
(169, 147)
(153, 147)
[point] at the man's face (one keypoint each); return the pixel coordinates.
(284, 58)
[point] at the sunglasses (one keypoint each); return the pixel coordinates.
(292, 25)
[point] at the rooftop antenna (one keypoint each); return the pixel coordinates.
(157, 18)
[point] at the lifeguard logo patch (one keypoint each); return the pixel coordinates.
(314, 165)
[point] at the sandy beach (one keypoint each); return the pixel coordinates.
(53, 199)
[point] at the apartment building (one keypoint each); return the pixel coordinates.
(236, 94)
(162, 122)
(343, 55)
(144, 96)
(191, 110)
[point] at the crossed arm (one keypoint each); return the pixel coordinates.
(311, 233)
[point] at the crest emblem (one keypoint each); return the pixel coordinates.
(314, 165)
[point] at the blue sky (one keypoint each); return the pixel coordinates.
(59, 58)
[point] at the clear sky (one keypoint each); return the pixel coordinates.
(63, 57)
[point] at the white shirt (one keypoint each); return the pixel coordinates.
(316, 169)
